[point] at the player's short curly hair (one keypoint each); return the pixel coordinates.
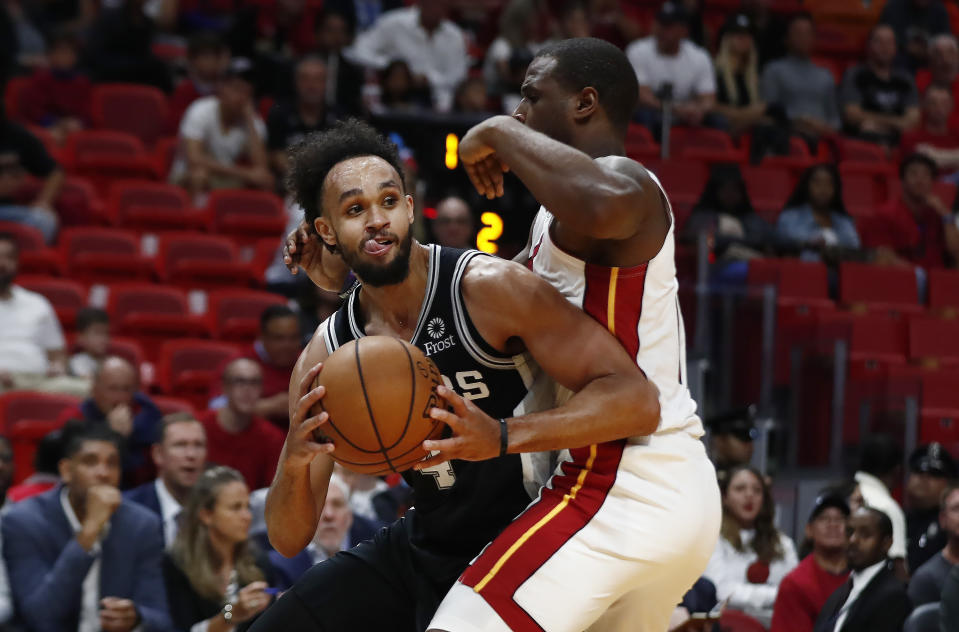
(314, 157)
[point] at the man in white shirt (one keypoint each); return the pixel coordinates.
(880, 470)
(668, 58)
(223, 139)
(872, 599)
(32, 347)
(179, 455)
(421, 35)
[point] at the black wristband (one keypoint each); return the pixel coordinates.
(503, 437)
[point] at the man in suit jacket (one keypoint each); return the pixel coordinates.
(179, 455)
(78, 557)
(873, 599)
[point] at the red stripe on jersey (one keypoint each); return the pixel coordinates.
(616, 293)
(564, 508)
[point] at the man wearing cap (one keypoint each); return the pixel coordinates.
(220, 131)
(731, 438)
(668, 65)
(927, 584)
(930, 470)
(806, 588)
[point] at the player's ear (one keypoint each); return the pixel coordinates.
(410, 208)
(325, 230)
(586, 103)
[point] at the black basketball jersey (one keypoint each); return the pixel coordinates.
(459, 506)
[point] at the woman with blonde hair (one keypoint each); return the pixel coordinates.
(215, 579)
(737, 76)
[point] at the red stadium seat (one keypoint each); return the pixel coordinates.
(169, 405)
(869, 287)
(640, 144)
(35, 257)
(939, 410)
(13, 98)
(188, 368)
(104, 255)
(18, 405)
(703, 143)
(934, 342)
(67, 296)
(768, 187)
(235, 314)
(858, 151)
(248, 215)
(77, 204)
(149, 206)
(152, 314)
(132, 108)
(104, 156)
(196, 260)
(24, 436)
(862, 190)
(736, 621)
(163, 155)
(944, 291)
(798, 159)
(683, 180)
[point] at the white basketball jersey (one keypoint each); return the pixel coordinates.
(639, 305)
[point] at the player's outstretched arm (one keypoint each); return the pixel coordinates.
(298, 491)
(613, 399)
(607, 198)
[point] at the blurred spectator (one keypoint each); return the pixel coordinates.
(217, 132)
(512, 88)
(6, 474)
(737, 76)
(338, 530)
(880, 470)
(805, 90)
(725, 212)
(289, 123)
(453, 226)
(119, 47)
(58, 96)
(936, 137)
(470, 97)
(670, 67)
(116, 401)
(573, 20)
(949, 603)
(344, 80)
(207, 59)
(731, 438)
(31, 46)
(179, 455)
(93, 341)
(32, 348)
(914, 22)
(928, 581)
(214, 575)
(21, 153)
(520, 29)
(770, 29)
(432, 46)
(931, 469)
(363, 14)
(694, 23)
(873, 598)
(917, 228)
(45, 468)
(815, 222)
(399, 90)
(286, 28)
(822, 571)
(943, 70)
(615, 21)
(276, 351)
(79, 554)
(236, 435)
(752, 555)
(879, 102)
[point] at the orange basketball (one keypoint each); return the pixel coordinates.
(379, 392)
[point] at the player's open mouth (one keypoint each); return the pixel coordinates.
(377, 247)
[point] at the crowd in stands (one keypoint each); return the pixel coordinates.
(142, 506)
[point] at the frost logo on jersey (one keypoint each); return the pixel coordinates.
(436, 328)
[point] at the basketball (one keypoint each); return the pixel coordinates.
(379, 392)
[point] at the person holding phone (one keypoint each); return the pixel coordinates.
(216, 580)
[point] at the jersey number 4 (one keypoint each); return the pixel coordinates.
(442, 473)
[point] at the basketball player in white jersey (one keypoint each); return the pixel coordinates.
(623, 528)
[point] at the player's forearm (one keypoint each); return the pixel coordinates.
(608, 408)
(582, 194)
(291, 511)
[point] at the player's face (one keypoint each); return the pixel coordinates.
(828, 530)
(335, 520)
(180, 457)
(230, 518)
(546, 106)
(866, 545)
(367, 216)
(744, 497)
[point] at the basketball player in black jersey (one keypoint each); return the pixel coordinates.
(487, 323)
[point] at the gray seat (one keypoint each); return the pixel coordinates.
(925, 618)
